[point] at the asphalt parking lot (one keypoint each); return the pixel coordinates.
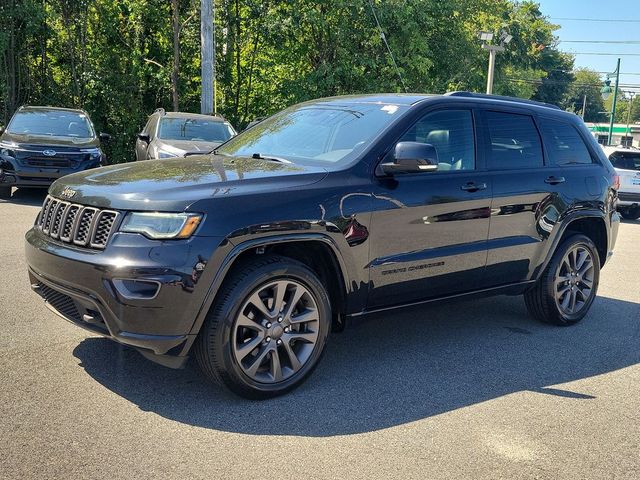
(468, 390)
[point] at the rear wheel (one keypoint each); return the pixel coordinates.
(565, 291)
(5, 192)
(630, 213)
(267, 330)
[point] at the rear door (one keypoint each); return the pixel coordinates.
(525, 193)
(541, 169)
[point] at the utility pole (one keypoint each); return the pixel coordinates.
(631, 95)
(606, 92)
(486, 38)
(207, 58)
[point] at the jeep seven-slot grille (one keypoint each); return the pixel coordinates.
(78, 224)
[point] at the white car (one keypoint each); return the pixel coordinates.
(626, 161)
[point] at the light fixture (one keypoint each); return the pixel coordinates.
(505, 38)
(485, 36)
(605, 91)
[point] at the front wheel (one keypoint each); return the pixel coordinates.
(267, 329)
(630, 213)
(566, 289)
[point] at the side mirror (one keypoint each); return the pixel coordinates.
(411, 157)
(144, 137)
(104, 137)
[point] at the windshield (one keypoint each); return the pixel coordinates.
(625, 160)
(51, 123)
(195, 130)
(319, 134)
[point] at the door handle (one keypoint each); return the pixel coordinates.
(554, 180)
(473, 187)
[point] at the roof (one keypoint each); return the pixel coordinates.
(193, 115)
(36, 108)
(410, 99)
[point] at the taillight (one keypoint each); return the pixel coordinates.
(616, 182)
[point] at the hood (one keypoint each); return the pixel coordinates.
(174, 184)
(46, 140)
(180, 147)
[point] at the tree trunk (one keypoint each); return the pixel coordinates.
(175, 6)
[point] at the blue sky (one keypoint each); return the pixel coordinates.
(560, 10)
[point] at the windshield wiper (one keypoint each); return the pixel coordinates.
(272, 158)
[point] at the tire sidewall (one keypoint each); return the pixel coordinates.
(230, 371)
(552, 273)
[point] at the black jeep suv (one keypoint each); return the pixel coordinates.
(329, 210)
(41, 144)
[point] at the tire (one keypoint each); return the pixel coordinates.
(5, 192)
(545, 300)
(630, 213)
(286, 342)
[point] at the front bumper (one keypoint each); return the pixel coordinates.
(85, 287)
(16, 175)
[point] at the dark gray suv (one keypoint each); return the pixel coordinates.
(42, 144)
(174, 134)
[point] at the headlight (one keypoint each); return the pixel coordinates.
(161, 226)
(7, 149)
(93, 152)
(164, 154)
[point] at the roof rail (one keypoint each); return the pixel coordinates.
(159, 110)
(462, 93)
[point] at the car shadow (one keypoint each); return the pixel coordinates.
(392, 369)
(27, 196)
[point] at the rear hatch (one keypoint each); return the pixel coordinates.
(627, 165)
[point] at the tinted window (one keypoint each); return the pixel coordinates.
(318, 134)
(52, 123)
(625, 160)
(194, 129)
(451, 133)
(564, 144)
(515, 142)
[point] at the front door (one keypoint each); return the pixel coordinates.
(429, 230)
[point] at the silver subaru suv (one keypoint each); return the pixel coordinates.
(175, 134)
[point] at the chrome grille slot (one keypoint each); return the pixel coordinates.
(48, 215)
(69, 220)
(103, 225)
(85, 224)
(56, 219)
(78, 224)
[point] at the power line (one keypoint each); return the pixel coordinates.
(619, 20)
(620, 42)
(606, 54)
(384, 39)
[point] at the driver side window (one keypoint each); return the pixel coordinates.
(451, 133)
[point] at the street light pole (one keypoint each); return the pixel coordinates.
(492, 64)
(627, 132)
(613, 104)
(486, 38)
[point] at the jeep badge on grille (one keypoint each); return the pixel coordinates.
(68, 193)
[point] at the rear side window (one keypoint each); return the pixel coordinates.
(514, 141)
(564, 144)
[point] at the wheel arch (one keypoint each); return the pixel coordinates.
(317, 251)
(590, 224)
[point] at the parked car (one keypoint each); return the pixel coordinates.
(41, 144)
(626, 161)
(324, 212)
(174, 134)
